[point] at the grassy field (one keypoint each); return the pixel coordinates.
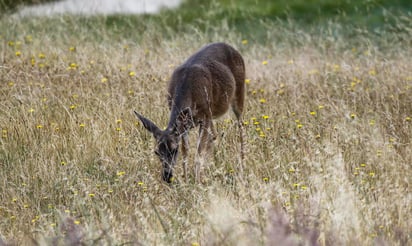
(328, 121)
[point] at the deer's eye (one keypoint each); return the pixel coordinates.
(157, 152)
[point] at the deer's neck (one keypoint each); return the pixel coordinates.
(182, 99)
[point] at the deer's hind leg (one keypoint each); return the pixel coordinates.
(239, 74)
(237, 106)
(241, 136)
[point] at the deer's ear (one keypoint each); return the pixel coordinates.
(184, 121)
(149, 125)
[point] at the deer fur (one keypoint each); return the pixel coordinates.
(201, 89)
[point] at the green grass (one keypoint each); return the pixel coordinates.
(251, 18)
(327, 119)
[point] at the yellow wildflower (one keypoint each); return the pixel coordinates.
(120, 173)
(379, 153)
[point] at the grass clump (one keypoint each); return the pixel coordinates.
(328, 123)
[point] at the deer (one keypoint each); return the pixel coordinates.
(200, 90)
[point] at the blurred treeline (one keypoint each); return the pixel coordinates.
(245, 15)
(10, 5)
(370, 12)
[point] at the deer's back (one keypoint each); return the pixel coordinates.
(209, 77)
(217, 52)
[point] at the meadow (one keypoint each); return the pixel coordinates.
(328, 125)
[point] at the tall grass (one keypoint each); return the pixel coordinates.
(327, 119)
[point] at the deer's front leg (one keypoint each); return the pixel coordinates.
(185, 149)
(203, 146)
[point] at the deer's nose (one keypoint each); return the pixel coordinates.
(167, 175)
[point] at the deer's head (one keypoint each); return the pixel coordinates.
(168, 140)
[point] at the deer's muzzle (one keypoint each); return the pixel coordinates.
(167, 175)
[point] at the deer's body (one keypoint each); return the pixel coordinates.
(202, 88)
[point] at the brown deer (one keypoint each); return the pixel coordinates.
(199, 90)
